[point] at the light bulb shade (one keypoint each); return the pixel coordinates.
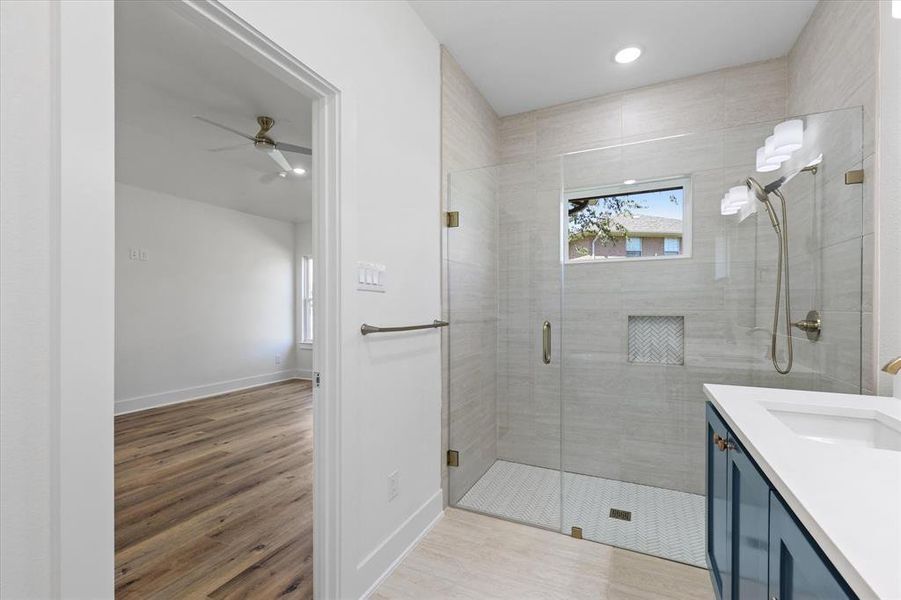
(773, 157)
(738, 196)
(726, 208)
(762, 165)
(788, 136)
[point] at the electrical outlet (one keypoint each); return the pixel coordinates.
(133, 254)
(278, 359)
(393, 486)
(143, 255)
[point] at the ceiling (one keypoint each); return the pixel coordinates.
(524, 55)
(168, 70)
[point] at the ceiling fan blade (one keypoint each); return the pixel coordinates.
(227, 148)
(279, 159)
(292, 148)
(225, 127)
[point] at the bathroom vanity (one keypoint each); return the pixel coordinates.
(803, 494)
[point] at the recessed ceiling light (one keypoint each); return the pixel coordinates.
(629, 181)
(627, 55)
(299, 170)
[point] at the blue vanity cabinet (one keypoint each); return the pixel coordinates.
(747, 525)
(756, 549)
(797, 571)
(718, 543)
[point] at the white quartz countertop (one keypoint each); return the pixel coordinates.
(848, 497)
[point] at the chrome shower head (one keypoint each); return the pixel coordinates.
(763, 194)
(758, 190)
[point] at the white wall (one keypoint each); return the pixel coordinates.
(210, 310)
(26, 343)
(303, 246)
(386, 64)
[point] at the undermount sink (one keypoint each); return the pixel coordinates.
(865, 428)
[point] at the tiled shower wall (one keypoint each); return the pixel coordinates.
(834, 65)
(640, 422)
(470, 139)
(635, 422)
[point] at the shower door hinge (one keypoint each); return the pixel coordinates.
(855, 176)
(453, 218)
(576, 532)
(453, 458)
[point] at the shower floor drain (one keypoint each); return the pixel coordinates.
(622, 515)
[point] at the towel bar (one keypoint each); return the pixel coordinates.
(367, 329)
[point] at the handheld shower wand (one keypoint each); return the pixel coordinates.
(781, 229)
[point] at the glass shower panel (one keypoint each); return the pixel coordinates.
(644, 329)
(504, 390)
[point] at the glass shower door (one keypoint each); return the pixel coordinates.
(673, 291)
(504, 363)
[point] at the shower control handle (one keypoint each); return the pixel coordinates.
(812, 325)
(546, 342)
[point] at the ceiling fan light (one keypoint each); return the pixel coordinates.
(627, 55)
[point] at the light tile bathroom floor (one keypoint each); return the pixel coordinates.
(664, 523)
(468, 556)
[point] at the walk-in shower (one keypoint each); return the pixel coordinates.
(580, 340)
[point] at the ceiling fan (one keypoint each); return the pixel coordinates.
(261, 141)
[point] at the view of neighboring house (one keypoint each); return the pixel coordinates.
(642, 235)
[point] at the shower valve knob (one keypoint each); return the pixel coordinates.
(812, 325)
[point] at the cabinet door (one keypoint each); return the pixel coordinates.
(797, 571)
(747, 525)
(718, 545)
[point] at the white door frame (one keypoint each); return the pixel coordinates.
(83, 506)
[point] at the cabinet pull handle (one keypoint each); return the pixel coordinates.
(722, 443)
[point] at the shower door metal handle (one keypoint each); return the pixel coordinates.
(546, 342)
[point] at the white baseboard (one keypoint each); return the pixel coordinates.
(304, 374)
(400, 543)
(137, 403)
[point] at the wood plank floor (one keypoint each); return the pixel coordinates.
(471, 556)
(214, 497)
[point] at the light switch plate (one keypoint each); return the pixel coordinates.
(371, 277)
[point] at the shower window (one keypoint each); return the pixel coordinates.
(629, 222)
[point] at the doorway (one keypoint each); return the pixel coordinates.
(216, 242)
